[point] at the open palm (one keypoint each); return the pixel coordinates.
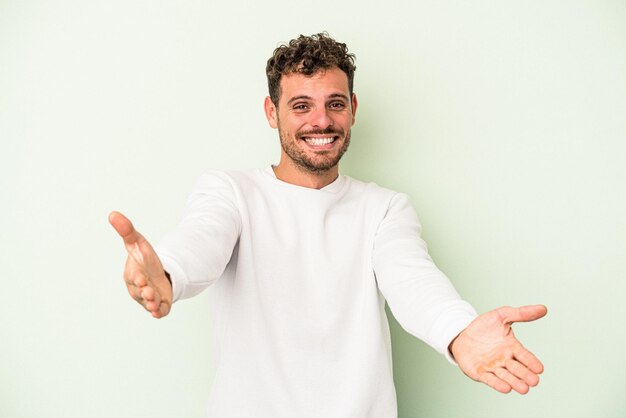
(488, 351)
(143, 274)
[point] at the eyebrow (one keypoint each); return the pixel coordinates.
(293, 99)
(305, 97)
(339, 96)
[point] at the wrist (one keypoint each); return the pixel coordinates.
(167, 276)
(451, 347)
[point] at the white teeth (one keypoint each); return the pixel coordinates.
(319, 141)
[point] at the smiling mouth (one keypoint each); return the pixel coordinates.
(319, 140)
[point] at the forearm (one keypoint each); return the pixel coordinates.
(420, 296)
(196, 252)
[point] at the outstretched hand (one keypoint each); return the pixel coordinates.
(487, 350)
(143, 274)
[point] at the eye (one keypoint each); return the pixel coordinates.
(300, 107)
(337, 105)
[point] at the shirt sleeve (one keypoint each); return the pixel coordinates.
(419, 295)
(196, 252)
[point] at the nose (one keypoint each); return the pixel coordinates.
(321, 118)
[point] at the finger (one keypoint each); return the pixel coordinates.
(515, 383)
(134, 293)
(135, 271)
(124, 227)
(164, 309)
(148, 293)
(151, 295)
(131, 270)
(148, 305)
(522, 372)
(152, 298)
(130, 279)
(139, 279)
(522, 314)
(493, 381)
(528, 359)
(151, 306)
(158, 310)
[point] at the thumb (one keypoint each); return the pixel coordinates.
(523, 313)
(124, 227)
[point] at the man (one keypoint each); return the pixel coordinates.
(301, 261)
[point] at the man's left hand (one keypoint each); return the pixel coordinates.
(487, 350)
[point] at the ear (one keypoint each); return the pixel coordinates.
(271, 113)
(355, 103)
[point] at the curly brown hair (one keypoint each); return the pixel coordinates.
(307, 55)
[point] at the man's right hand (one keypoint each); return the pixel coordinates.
(144, 274)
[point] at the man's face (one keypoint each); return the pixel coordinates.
(314, 117)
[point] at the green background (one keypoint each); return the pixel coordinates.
(505, 121)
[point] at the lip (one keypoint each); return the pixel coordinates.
(320, 142)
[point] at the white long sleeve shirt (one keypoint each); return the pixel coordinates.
(299, 279)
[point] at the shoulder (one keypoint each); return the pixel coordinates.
(393, 205)
(370, 190)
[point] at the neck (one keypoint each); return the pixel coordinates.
(304, 178)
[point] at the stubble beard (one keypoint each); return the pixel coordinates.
(324, 160)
